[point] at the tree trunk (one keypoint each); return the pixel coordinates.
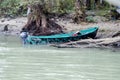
(39, 22)
(79, 11)
(88, 4)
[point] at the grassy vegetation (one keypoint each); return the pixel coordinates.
(19, 7)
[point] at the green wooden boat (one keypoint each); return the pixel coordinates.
(63, 37)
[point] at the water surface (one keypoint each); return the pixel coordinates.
(19, 62)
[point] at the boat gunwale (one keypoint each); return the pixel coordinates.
(66, 35)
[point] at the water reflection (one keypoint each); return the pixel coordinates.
(18, 62)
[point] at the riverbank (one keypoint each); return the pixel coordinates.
(104, 37)
(14, 25)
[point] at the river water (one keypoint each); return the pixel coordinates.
(19, 62)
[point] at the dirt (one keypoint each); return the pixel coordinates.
(14, 25)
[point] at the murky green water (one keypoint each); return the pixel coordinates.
(18, 62)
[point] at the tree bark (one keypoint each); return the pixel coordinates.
(88, 4)
(39, 22)
(79, 11)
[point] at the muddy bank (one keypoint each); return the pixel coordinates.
(103, 38)
(14, 25)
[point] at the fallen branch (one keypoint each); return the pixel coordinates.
(107, 42)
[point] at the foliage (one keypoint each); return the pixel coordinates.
(12, 7)
(19, 7)
(9, 7)
(65, 6)
(90, 19)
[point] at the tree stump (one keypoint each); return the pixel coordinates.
(5, 28)
(39, 23)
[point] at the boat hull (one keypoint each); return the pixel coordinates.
(62, 38)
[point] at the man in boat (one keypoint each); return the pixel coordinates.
(76, 33)
(24, 35)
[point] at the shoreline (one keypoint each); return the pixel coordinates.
(92, 43)
(103, 38)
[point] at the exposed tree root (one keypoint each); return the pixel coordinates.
(39, 22)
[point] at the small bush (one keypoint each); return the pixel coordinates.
(90, 19)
